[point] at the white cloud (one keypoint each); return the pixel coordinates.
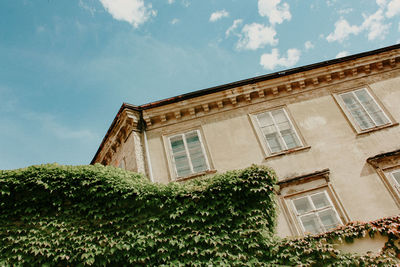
(133, 11)
(171, 1)
(375, 26)
(276, 13)
(174, 21)
(342, 30)
(381, 3)
(272, 60)
(393, 8)
(342, 54)
(256, 36)
(218, 15)
(330, 2)
(233, 27)
(185, 3)
(308, 45)
(345, 11)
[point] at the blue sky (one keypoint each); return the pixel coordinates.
(66, 66)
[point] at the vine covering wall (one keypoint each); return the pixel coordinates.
(56, 215)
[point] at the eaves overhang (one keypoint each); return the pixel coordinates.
(262, 78)
(215, 89)
(113, 123)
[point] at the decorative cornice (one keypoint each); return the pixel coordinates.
(242, 93)
(323, 174)
(127, 122)
(375, 160)
(270, 89)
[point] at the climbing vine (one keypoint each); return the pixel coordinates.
(94, 215)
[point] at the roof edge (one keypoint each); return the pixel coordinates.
(265, 77)
(223, 87)
(123, 106)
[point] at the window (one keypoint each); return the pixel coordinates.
(188, 154)
(396, 179)
(387, 166)
(278, 131)
(363, 108)
(310, 203)
(316, 213)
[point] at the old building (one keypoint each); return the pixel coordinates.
(329, 130)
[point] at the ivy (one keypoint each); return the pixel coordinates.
(56, 215)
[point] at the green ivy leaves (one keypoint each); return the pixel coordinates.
(94, 215)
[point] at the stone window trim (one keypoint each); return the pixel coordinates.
(168, 152)
(352, 121)
(262, 139)
(196, 175)
(285, 200)
(385, 164)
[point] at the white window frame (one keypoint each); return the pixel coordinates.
(171, 154)
(282, 140)
(314, 210)
(351, 117)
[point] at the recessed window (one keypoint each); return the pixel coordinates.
(310, 203)
(387, 166)
(278, 131)
(187, 154)
(316, 213)
(364, 110)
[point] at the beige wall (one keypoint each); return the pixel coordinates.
(232, 143)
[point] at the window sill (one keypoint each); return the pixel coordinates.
(195, 175)
(377, 128)
(285, 152)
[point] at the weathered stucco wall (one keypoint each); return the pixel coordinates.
(349, 168)
(232, 143)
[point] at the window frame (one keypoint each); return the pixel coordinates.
(314, 209)
(262, 139)
(309, 184)
(350, 118)
(385, 165)
(170, 156)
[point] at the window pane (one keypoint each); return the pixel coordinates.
(273, 142)
(196, 152)
(269, 130)
(182, 164)
(286, 129)
(328, 218)
(396, 176)
(281, 119)
(264, 119)
(302, 205)
(356, 110)
(320, 200)
(177, 144)
(179, 155)
(311, 224)
(372, 108)
(290, 138)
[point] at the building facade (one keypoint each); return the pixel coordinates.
(330, 131)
